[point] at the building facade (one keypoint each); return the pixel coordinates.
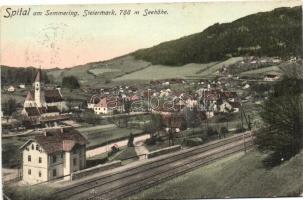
(54, 154)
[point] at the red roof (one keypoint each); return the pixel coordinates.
(57, 140)
(109, 102)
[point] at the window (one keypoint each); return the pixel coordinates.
(54, 172)
(29, 158)
(74, 151)
(40, 160)
(29, 172)
(61, 155)
(33, 147)
(75, 161)
(54, 158)
(39, 173)
(37, 147)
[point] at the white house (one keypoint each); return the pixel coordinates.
(271, 77)
(11, 89)
(108, 106)
(225, 107)
(55, 153)
(21, 86)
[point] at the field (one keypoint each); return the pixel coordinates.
(211, 71)
(262, 71)
(233, 177)
(157, 72)
(99, 71)
(95, 74)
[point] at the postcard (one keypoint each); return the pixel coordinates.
(152, 100)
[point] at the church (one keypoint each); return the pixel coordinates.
(42, 106)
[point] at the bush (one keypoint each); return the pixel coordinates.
(70, 82)
(223, 131)
(107, 81)
(211, 132)
(193, 141)
(151, 141)
(38, 192)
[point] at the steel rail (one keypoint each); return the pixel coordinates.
(92, 183)
(173, 171)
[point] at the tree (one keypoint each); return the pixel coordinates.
(9, 107)
(130, 142)
(156, 122)
(70, 82)
(223, 131)
(127, 106)
(282, 114)
(90, 117)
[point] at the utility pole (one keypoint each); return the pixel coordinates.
(244, 143)
(241, 118)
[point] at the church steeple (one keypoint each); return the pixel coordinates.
(39, 89)
(39, 76)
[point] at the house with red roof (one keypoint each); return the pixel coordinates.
(109, 105)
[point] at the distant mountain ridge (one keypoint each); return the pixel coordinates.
(274, 33)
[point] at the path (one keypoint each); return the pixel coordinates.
(124, 114)
(106, 148)
(99, 127)
(141, 149)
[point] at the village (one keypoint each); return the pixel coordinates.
(125, 122)
(152, 101)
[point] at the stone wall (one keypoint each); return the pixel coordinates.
(96, 169)
(163, 151)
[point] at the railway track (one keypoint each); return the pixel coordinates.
(126, 182)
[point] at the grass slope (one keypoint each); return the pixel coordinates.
(95, 74)
(234, 176)
(262, 71)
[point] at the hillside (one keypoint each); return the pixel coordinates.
(237, 176)
(100, 73)
(19, 75)
(274, 33)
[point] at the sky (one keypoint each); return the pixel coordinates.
(67, 41)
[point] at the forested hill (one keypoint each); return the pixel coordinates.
(274, 33)
(19, 75)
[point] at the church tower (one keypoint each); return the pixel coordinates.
(39, 90)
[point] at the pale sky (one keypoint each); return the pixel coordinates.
(66, 41)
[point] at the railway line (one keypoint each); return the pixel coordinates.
(123, 183)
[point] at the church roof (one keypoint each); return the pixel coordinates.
(29, 96)
(52, 96)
